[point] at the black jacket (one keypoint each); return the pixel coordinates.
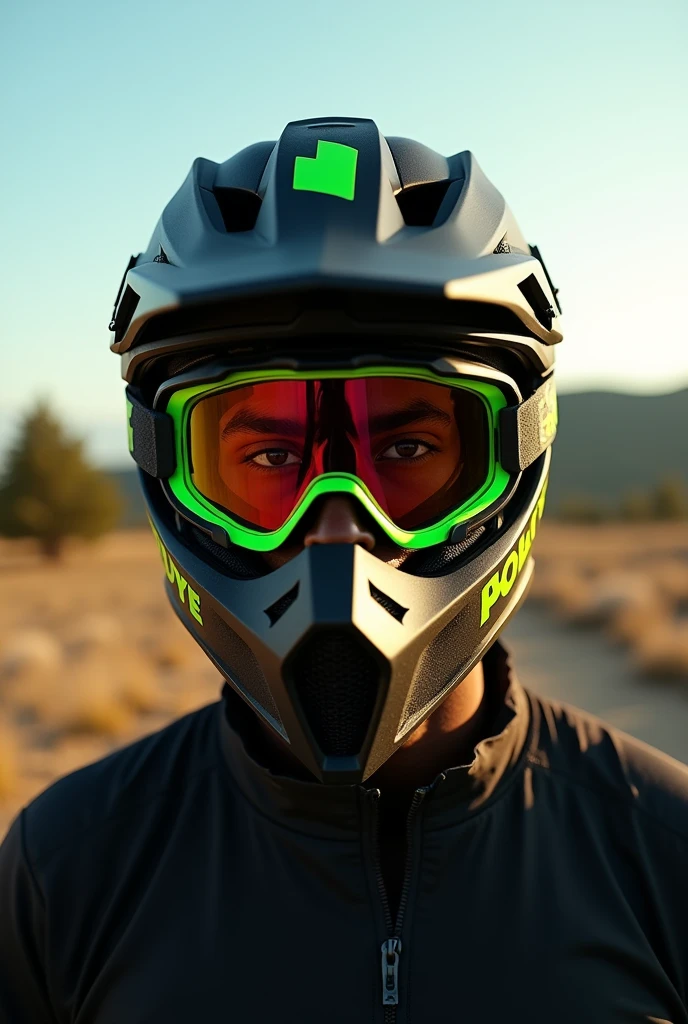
(178, 882)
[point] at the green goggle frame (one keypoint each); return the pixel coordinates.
(182, 487)
(516, 435)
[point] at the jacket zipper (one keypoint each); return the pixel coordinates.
(391, 947)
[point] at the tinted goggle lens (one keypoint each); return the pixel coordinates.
(421, 449)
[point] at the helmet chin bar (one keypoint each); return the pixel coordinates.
(341, 654)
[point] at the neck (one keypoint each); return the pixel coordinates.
(444, 740)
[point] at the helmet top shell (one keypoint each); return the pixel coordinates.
(333, 208)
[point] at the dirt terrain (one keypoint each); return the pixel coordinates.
(630, 581)
(578, 665)
(92, 656)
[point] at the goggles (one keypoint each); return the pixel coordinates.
(421, 451)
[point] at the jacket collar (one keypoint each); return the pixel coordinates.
(335, 811)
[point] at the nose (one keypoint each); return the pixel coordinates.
(337, 523)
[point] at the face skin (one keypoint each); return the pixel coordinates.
(404, 439)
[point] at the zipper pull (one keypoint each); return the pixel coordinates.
(391, 948)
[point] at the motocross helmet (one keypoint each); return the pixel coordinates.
(341, 313)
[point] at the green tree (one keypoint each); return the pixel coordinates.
(670, 499)
(48, 489)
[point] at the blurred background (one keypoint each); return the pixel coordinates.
(574, 110)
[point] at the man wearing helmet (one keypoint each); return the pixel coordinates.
(339, 357)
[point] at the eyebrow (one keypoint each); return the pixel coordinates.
(251, 421)
(246, 420)
(418, 410)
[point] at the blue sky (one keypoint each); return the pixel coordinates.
(576, 111)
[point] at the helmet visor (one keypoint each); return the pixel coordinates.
(421, 449)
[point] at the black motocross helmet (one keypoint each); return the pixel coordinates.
(333, 249)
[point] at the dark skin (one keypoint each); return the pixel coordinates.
(445, 739)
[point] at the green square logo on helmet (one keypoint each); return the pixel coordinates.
(332, 170)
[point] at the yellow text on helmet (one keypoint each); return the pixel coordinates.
(187, 595)
(501, 584)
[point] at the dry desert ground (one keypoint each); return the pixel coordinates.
(629, 580)
(92, 656)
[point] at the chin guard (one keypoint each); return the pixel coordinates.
(341, 654)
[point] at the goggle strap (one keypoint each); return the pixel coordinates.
(151, 438)
(528, 429)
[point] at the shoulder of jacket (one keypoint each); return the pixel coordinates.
(124, 783)
(573, 744)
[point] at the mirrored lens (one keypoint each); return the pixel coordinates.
(420, 448)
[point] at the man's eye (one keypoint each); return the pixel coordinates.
(275, 457)
(405, 450)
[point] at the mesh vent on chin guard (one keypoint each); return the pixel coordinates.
(440, 663)
(336, 681)
(241, 662)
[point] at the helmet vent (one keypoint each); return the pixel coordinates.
(440, 663)
(502, 247)
(239, 208)
(420, 204)
(536, 298)
(125, 312)
(240, 666)
(336, 681)
(397, 611)
(277, 610)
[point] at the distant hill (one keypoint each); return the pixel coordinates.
(608, 444)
